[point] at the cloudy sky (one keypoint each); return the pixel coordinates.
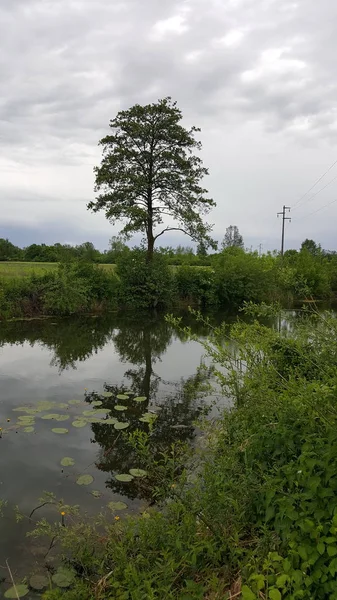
(258, 76)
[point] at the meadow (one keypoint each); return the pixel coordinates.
(14, 270)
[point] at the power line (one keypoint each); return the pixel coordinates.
(284, 219)
(316, 182)
(316, 193)
(321, 208)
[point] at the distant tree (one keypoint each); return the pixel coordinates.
(232, 238)
(149, 172)
(311, 247)
(201, 250)
(8, 251)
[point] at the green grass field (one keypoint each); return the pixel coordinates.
(12, 270)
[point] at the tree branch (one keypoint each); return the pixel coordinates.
(171, 229)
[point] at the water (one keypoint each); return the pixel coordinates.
(79, 359)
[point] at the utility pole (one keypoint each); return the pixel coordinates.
(284, 219)
(260, 249)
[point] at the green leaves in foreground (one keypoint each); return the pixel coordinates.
(107, 394)
(67, 461)
(19, 591)
(79, 423)
(84, 480)
(140, 399)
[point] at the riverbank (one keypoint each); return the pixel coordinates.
(257, 519)
(235, 277)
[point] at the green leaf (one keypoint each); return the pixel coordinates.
(122, 397)
(62, 418)
(101, 411)
(38, 582)
(75, 402)
(50, 416)
(120, 407)
(125, 477)
(97, 403)
(282, 580)
(28, 429)
(84, 480)
(121, 425)
(110, 421)
(140, 399)
(321, 548)
(247, 593)
(60, 430)
(274, 594)
(79, 423)
(107, 394)
(67, 462)
(89, 413)
(63, 577)
(138, 472)
(19, 591)
(332, 551)
(117, 506)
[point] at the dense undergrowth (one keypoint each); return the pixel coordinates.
(234, 277)
(252, 513)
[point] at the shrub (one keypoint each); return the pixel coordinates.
(196, 285)
(144, 284)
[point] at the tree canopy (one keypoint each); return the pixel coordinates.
(232, 238)
(150, 178)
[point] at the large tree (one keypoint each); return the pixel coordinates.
(232, 238)
(150, 178)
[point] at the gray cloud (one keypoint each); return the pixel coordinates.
(257, 75)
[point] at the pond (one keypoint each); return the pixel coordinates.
(69, 388)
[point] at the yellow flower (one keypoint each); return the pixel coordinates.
(173, 485)
(63, 513)
(117, 518)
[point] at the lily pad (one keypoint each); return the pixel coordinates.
(117, 506)
(94, 420)
(21, 409)
(38, 582)
(122, 397)
(63, 577)
(138, 472)
(97, 403)
(50, 416)
(67, 461)
(28, 429)
(60, 430)
(120, 425)
(107, 394)
(45, 404)
(110, 421)
(125, 477)
(62, 418)
(19, 591)
(26, 419)
(74, 402)
(120, 407)
(84, 480)
(140, 399)
(79, 423)
(101, 411)
(96, 493)
(88, 413)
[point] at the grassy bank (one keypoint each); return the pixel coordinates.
(252, 513)
(234, 277)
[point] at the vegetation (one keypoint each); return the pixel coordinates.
(221, 280)
(252, 512)
(232, 238)
(149, 172)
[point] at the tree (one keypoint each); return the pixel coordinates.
(232, 238)
(149, 172)
(311, 247)
(201, 250)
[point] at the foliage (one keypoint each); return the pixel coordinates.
(142, 283)
(149, 171)
(232, 238)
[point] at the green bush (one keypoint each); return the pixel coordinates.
(196, 285)
(144, 284)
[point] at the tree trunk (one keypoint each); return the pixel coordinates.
(150, 245)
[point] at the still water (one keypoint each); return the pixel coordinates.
(65, 375)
